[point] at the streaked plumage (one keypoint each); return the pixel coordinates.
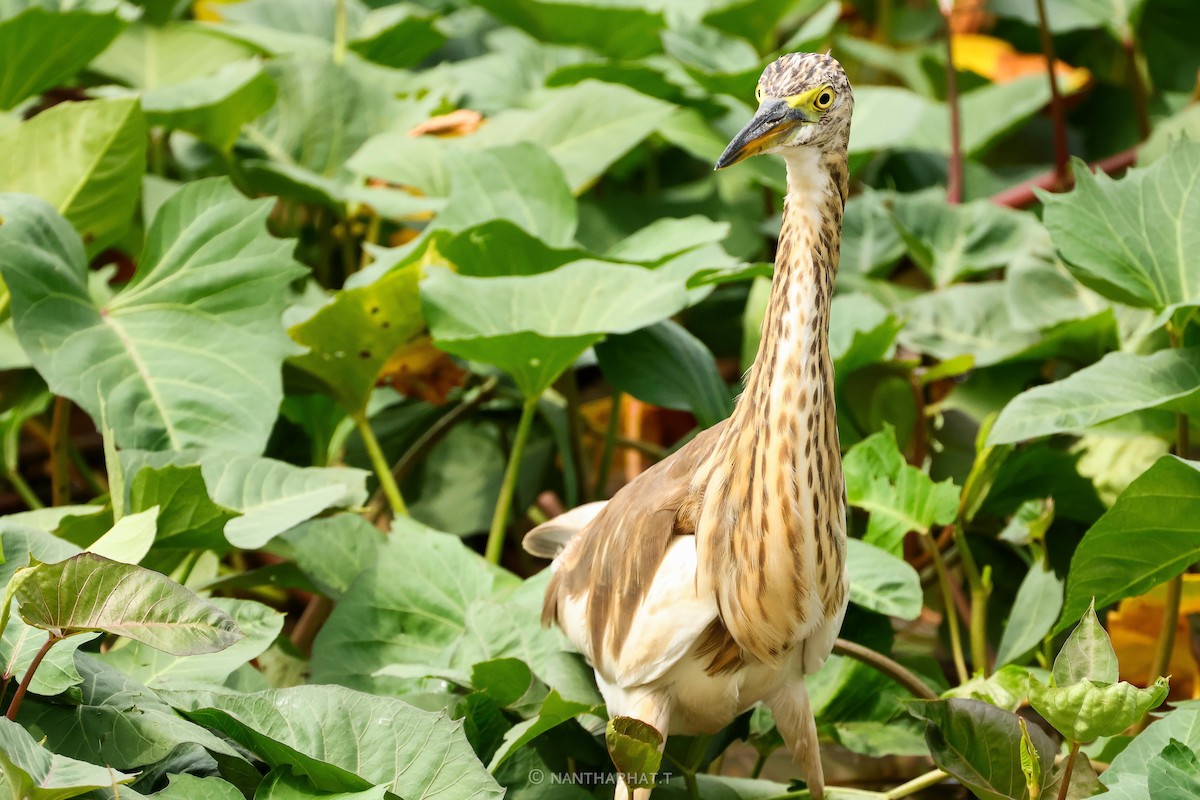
(716, 579)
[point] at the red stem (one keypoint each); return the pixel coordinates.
(1022, 195)
(15, 705)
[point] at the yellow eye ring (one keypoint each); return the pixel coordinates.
(823, 100)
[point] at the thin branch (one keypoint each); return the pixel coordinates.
(893, 669)
(917, 784)
(315, 613)
(1066, 778)
(1140, 104)
(15, 705)
(1062, 152)
(954, 183)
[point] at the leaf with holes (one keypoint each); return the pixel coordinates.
(158, 352)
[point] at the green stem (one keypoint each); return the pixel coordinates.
(693, 787)
(339, 32)
(610, 445)
(24, 490)
(495, 541)
(15, 705)
(893, 669)
(960, 664)
(1067, 770)
(112, 465)
(917, 784)
(981, 591)
(568, 387)
(94, 483)
(379, 462)
(759, 763)
(60, 482)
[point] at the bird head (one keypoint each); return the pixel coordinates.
(804, 100)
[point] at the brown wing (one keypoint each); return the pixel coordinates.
(616, 556)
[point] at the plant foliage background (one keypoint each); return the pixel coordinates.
(311, 307)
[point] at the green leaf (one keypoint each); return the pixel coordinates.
(408, 607)
(511, 323)
(1087, 710)
(351, 338)
(881, 582)
(619, 30)
(85, 159)
(666, 237)
(213, 107)
(635, 749)
(1034, 612)
(899, 497)
(123, 600)
(1128, 776)
(187, 517)
(1031, 766)
(980, 745)
(281, 784)
(554, 712)
(1119, 384)
(114, 721)
(42, 46)
(397, 36)
(35, 773)
(667, 366)
(861, 333)
(520, 183)
(1146, 538)
(332, 551)
(129, 539)
(1087, 655)
(1131, 240)
(577, 127)
(1174, 774)
(720, 63)
(1007, 688)
(952, 242)
(1119, 17)
(158, 352)
(150, 57)
(57, 673)
(270, 496)
(871, 244)
(191, 787)
(345, 740)
(259, 623)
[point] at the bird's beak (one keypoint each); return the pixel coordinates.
(768, 125)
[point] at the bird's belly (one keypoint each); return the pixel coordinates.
(706, 703)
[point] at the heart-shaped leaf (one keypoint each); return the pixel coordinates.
(157, 352)
(635, 749)
(1087, 655)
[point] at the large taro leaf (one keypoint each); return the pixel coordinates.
(165, 355)
(1174, 773)
(34, 773)
(115, 721)
(45, 43)
(871, 244)
(270, 496)
(534, 327)
(85, 159)
(91, 593)
(281, 784)
(409, 606)
(722, 64)
(340, 739)
(351, 338)
(183, 786)
(899, 497)
(213, 107)
(1146, 538)
(954, 242)
(332, 551)
(981, 745)
(667, 366)
(151, 57)
(261, 624)
(581, 127)
(881, 582)
(1118, 17)
(1118, 384)
(187, 517)
(1134, 240)
(323, 112)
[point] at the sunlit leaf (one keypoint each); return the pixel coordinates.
(554, 712)
(1086, 710)
(1174, 773)
(881, 582)
(35, 773)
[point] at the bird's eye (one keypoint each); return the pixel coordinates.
(824, 100)
(758, 94)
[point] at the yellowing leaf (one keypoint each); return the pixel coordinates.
(1000, 62)
(1134, 628)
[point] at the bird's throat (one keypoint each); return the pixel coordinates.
(782, 547)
